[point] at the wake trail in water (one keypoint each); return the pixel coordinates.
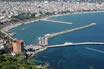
(95, 50)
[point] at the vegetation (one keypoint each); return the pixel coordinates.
(11, 62)
(23, 16)
(3, 36)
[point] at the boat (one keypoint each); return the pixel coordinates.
(47, 35)
(39, 38)
(68, 43)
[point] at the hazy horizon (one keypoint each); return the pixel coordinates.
(59, 0)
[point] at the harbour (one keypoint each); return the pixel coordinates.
(68, 52)
(43, 41)
(76, 47)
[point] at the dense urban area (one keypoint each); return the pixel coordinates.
(17, 10)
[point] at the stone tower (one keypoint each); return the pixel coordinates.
(18, 46)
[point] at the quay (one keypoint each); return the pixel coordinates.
(35, 49)
(76, 44)
(40, 50)
(56, 21)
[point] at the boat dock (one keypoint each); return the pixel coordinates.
(57, 21)
(76, 44)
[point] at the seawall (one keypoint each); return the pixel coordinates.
(76, 44)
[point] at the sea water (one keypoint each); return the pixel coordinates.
(75, 57)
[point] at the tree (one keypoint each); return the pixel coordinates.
(11, 62)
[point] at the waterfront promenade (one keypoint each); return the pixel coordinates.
(76, 44)
(56, 21)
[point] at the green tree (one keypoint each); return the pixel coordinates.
(10, 62)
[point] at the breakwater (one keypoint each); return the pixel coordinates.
(45, 39)
(56, 21)
(72, 30)
(76, 44)
(62, 45)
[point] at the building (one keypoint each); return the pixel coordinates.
(18, 46)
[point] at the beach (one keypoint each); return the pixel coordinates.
(11, 26)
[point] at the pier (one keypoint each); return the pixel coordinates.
(56, 21)
(72, 30)
(44, 40)
(76, 44)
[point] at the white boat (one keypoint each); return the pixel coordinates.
(68, 43)
(39, 38)
(40, 42)
(47, 35)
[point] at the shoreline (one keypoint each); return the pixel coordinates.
(79, 12)
(5, 29)
(40, 50)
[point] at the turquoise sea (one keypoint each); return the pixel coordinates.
(75, 57)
